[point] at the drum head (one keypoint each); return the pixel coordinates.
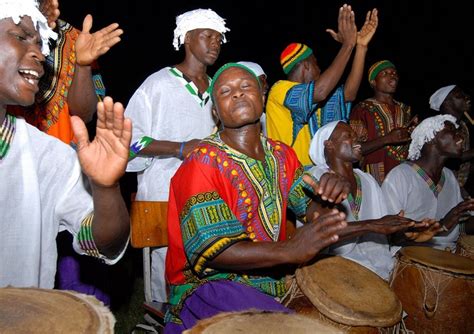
(439, 259)
(29, 310)
(349, 293)
(467, 242)
(256, 322)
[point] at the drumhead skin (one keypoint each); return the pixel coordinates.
(349, 293)
(435, 258)
(256, 322)
(30, 310)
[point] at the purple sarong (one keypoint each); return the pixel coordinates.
(222, 296)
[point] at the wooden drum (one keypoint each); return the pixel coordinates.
(436, 289)
(29, 310)
(465, 246)
(347, 295)
(260, 322)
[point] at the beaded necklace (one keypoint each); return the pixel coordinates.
(7, 130)
(355, 202)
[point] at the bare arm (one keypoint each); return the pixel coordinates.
(82, 99)
(305, 244)
(363, 38)
(347, 35)
(169, 148)
(104, 161)
(394, 137)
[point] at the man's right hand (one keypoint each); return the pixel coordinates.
(316, 235)
(397, 136)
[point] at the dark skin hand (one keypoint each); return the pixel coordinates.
(331, 187)
(453, 216)
(308, 241)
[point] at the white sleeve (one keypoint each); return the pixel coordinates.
(395, 192)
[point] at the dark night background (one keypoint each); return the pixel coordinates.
(428, 41)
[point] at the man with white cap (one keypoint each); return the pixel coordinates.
(452, 100)
(262, 77)
(423, 186)
(171, 112)
(43, 189)
(335, 148)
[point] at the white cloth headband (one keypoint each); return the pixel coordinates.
(426, 131)
(316, 148)
(438, 97)
(198, 19)
(16, 9)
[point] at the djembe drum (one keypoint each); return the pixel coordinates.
(347, 295)
(436, 289)
(30, 310)
(256, 322)
(465, 246)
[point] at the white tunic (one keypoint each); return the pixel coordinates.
(371, 250)
(41, 193)
(163, 109)
(406, 190)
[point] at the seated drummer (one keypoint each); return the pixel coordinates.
(335, 148)
(424, 187)
(227, 212)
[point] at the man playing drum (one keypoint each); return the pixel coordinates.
(423, 187)
(335, 148)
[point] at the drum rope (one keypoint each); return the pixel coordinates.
(292, 292)
(438, 285)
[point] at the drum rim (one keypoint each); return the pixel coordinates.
(101, 317)
(339, 312)
(410, 253)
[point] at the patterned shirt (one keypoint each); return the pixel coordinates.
(220, 196)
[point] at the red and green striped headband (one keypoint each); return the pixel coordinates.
(293, 54)
(378, 67)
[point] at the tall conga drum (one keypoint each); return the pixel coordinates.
(465, 246)
(30, 310)
(347, 295)
(436, 289)
(256, 322)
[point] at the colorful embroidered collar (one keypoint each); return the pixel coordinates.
(191, 87)
(7, 131)
(356, 202)
(435, 188)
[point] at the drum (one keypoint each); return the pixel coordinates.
(29, 310)
(347, 295)
(260, 322)
(465, 246)
(436, 289)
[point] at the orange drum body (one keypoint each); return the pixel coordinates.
(436, 289)
(465, 246)
(347, 295)
(29, 310)
(259, 323)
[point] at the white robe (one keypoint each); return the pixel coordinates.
(162, 108)
(406, 190)
(41, 193)
(371, 250)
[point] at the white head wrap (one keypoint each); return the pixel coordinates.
(198, 19)
(439, 96)
(426, 131)
(316, 148)
(256, 68)
(16, 9)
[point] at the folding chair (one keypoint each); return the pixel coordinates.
(149, 229)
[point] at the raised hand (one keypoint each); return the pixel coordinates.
(331, 187)
(453, 216)
(89, 47)
(365, 34)
(105, 158)
(50, 9)
(397, 136)
(311, 238)
(347, 30)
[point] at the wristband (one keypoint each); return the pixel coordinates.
(181, 148)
